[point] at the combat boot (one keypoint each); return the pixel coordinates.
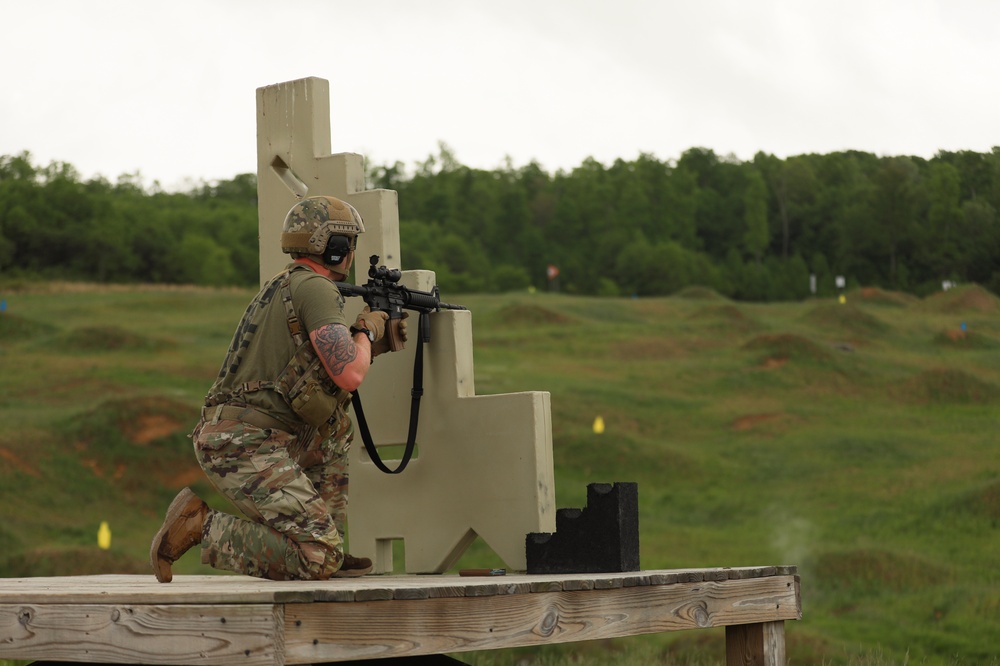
(181, 529)
(353, 567)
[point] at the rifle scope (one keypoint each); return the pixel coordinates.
(382, 273)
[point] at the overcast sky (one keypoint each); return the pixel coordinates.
(168, 89)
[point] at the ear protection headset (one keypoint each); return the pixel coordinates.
(337, 248)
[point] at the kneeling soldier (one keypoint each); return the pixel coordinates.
(274, 433)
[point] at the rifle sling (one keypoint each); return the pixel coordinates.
(415, 393)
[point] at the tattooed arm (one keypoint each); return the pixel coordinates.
(346, 357)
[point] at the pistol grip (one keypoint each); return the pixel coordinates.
(395, 339)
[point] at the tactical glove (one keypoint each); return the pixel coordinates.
(395, 338)
(372, 321)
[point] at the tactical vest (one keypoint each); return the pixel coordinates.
(304, 382)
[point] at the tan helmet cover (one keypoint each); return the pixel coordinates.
(310, 223)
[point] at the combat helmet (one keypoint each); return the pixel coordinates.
(311, 222)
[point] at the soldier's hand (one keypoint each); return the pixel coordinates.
(373, 321)
(397, 333)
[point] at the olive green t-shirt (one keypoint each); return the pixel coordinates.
(263, 345)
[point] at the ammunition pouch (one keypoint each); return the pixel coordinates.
(312, 395)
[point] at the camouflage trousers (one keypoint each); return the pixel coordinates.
(293, 494)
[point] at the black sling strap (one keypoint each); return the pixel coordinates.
(415, 394)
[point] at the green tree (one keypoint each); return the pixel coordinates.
(757, 235)
(719, 212)
(645, 269)
(202, 261)
(894, 207)
(940, 243)
(462, 265)
(844, 208)
(680, 214)
(981, 241)
(6, 252)
(793, 185)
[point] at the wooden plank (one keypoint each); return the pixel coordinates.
(410, 594)
(149, 634)
(374, 594)
(515, 586)
(368, 630)
(761, 644)
(134, 589)
(235, 619)
(636, 580)
(663, 578)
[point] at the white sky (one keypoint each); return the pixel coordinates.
(168, 89)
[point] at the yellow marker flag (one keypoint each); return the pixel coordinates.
(104, 536)
(843, 299)
(598, 425)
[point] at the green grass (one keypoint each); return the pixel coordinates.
(856, 441)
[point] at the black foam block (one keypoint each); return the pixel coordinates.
(601, 538)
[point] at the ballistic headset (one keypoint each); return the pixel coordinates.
(337, 248)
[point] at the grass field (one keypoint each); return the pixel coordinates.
(856, 440)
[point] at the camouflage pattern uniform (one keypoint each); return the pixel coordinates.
(287, 477)
(293, 492)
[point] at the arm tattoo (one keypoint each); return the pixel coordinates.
(334, 345)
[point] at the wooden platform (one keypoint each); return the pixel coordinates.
(240, 620)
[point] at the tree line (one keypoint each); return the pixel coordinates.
(752, 230)
(54, 225)
(764, 229)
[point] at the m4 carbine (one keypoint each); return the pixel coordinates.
(383, 292)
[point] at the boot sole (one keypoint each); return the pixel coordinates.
(173, 513)
(352, 573)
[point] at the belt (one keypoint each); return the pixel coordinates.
(249, 415)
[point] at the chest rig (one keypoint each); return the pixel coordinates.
(304, 382)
